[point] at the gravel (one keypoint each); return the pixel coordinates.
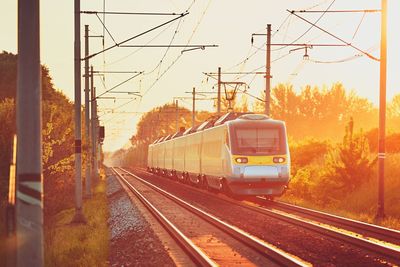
(133, 241)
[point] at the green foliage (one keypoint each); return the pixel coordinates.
(306, 152)
(7, 122)
(392, 141)
(57, 136)
(349, 165)
(319, 113)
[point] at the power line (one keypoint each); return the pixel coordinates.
(104, 27)
(258, 48)
(121, 83)
(298, 38)
(136, 36)
(179, 56)
(137, 50)
(336, 37)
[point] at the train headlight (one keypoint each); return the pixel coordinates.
(242, 160)
(279, 160)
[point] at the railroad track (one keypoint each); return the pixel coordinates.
(361, 228)
(274, 255)
(376, 239)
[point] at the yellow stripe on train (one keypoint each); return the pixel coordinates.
(260, 160)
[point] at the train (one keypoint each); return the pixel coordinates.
(238, 154)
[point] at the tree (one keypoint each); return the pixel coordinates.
(394, 114)
(348, 166)
(318, 113)
(57, 123)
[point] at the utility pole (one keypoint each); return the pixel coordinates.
(382, 113)
(87, 117)
(29, 211)
(78, 217)
(93, 103)
(176, 115)
(97, 125)
(219, 92)
(268, 72)
(194, 105)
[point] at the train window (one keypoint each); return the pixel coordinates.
(258, 140)
(227, 139)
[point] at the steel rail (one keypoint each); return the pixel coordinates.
(195, 253)
(270, 251)
(379, 232)
(380, 248)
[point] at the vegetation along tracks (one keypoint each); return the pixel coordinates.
(274, 255)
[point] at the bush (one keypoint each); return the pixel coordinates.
(306, 152)
(347, 166)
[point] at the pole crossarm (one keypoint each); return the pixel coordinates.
(122, 72)
(114, 98)
(235, 73)
(334, 36)
(93, 12)
(120, 106)
(202, 92)
(121, 83)
(136, 36)
(338, 11)
(170, 46)
(244, 92)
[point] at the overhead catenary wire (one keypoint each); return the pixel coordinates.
(122, 105)
(105, 28)
(136, 36)
(336, 37)
(119, 84)
(180, 55)
(140, 48)
(309, 29)
(358, 26)
(186, 12)
(258, 49)
(343, 60)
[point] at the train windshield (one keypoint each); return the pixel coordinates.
(258, 141)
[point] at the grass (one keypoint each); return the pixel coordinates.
(362, 203)
(3, 204)
(87, 244)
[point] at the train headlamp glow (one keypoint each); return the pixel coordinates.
(241, 160)
(279, 160)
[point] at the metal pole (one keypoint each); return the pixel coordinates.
(29, 133)
(87, 117)
(93, 122)
(78, 217)
(176, 115)
(194, 107)
(96, 131)
(219, 92)
(268, 73)
(382, 113)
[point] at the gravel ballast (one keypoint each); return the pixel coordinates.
(132, 241)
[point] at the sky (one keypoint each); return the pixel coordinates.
(168, 73)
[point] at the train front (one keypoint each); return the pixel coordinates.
(260, 158)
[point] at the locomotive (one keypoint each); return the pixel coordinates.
(239, 154)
